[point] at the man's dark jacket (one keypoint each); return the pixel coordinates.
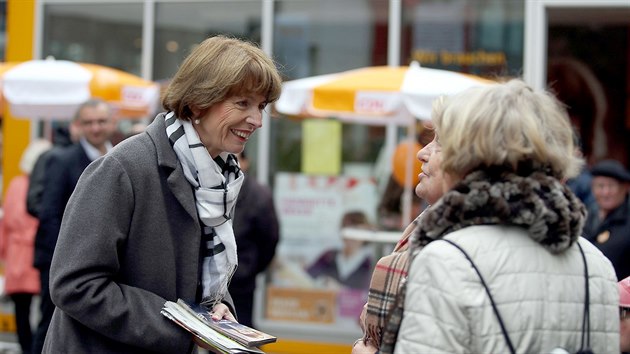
(257, 233)
(63, 169)
(616, 245)
(38, 175)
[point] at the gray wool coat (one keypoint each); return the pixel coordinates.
(129, 241)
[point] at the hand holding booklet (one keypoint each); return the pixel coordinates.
(225, 336)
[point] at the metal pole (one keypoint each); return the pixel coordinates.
(393, 33)
(148, 36)
(393, 59)
(264, 135)
(535, 33)
(407, 194)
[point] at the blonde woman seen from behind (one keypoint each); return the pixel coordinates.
(506, 149)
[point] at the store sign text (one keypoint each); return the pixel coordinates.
(476, 58)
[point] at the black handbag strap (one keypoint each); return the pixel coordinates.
(494, 305)
(586, 320)
(586, 328)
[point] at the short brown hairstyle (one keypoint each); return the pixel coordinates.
(217, 68)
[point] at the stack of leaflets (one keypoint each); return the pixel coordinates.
(225, 336)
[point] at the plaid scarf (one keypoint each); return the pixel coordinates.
(217, 183)
(551, 213)
(389, 273)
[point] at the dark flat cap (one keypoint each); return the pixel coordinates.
(611, 168)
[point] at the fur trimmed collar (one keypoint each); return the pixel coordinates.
(551, 213)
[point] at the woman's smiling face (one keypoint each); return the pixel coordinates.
(227, 125)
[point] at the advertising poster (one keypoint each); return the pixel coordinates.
(318, 277)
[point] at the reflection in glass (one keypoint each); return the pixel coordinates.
(105, 34)
(587, 72)
(179, 26)
(318, 37)
(3, 28)
(473, 36)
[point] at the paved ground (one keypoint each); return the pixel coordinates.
(9, 348)
(8, 344)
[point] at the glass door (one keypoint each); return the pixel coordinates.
(581, 50)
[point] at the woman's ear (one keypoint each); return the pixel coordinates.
(196, 112)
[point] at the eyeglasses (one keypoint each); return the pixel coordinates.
(624, 312)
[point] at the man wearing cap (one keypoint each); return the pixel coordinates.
(608, 222)
(624, 315)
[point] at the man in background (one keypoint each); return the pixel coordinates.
(256, 229)
(95, 124)
(62, 138)
(608, 223)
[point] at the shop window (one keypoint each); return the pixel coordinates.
(180, 25)
(105, 34)
(593, 83)
(3, 28)
(319, 279)
(482, 37)
(321, 37)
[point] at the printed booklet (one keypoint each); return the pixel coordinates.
(226, 336)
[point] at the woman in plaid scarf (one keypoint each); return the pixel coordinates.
(391, 270)
(504, 159)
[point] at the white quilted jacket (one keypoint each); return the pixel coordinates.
(540, 296)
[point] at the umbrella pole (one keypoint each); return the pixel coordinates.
(48, 130)
(391, 137)
(407, 196)
(34, 129)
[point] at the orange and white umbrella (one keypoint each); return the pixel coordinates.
(373, 95)
(53, 89)
(378, 95)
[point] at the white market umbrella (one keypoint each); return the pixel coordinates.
(46, 89)
(377, 95)
(53, 89)
(373, 95)
(422, 86)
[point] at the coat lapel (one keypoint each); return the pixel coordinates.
(166, 158)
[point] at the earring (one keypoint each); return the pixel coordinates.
(196, 121)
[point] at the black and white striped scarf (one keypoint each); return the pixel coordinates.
(217, 183)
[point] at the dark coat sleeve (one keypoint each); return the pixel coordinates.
(256, 228)
(36, 185)
(268, 229)
(111, 278)
(58, 186)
